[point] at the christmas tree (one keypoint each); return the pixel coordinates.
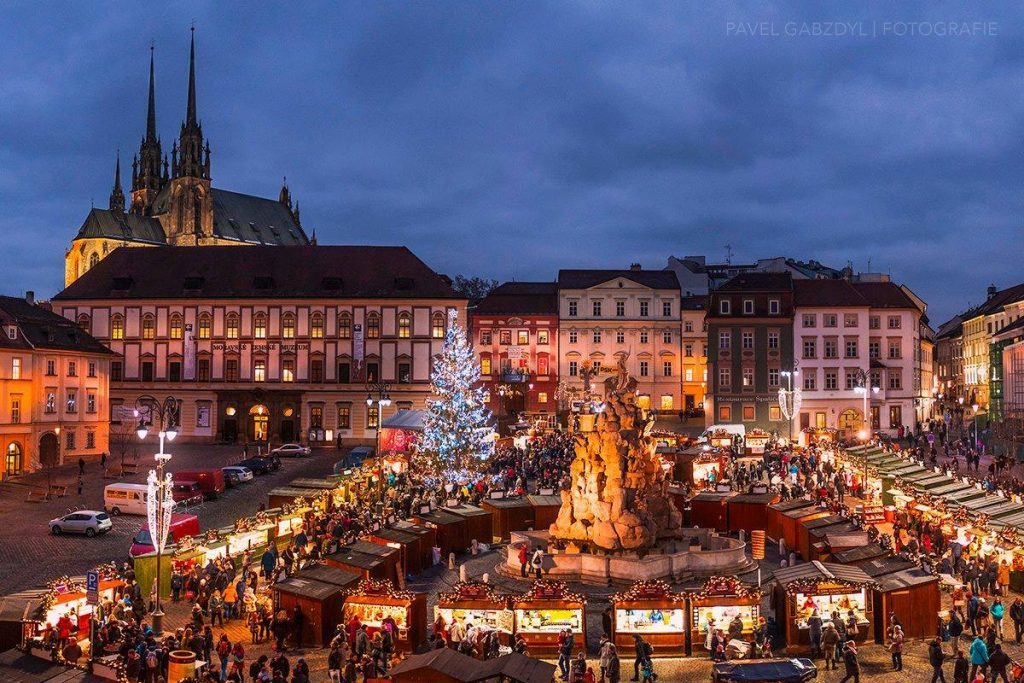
(457, 431)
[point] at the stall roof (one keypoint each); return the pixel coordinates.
(843, 527)
(905, 579)
(311, 483)
(934, 481)
(797, 513)
(413, 420)
(19, 667)
(517, 668)
(979, 504)
(923, 475)
(545, 501)
(824, 521)
(411, 527)
(886, 565)
(1004, 509)
(307, 588)
(397, 535)
(793, 504)
(293, 491)
(14, 607)
(846, 539)
(864, 552)
(333, 575)
(439, 517)
(755, 498)
(371, 548)
(954, 486)
(466, 510)
(356, 559)
(963, 496)
(508, 502)
(821, 571)
(714, 496)
(446, 661)
(1009, 520)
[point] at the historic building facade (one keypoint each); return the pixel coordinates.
(54, 389)
(515, 333)
(174, 203)
(267, 344)
(694, 346)
(605, 315)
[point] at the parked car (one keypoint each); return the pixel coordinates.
(261, 465)
(211, 482)
(182, 525)
(293, 450)
(186, 493)
(236, 474)
(128, 499)
(88, 522)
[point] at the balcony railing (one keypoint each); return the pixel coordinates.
(515, 376)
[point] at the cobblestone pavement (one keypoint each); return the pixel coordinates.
(30, 556)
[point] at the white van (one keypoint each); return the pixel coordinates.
(734, 429)
(126, 499)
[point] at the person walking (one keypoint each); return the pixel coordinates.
(956, 630)
(936, 658)
(979, 656)
(896, 649)
(614, 665)
(81, 467)
(1017, 617)
(224, 655)
(643, 651)
(851, 663)
(997, 663)
(960, 667)
(829, 640)
(565, 647)
(814, 624)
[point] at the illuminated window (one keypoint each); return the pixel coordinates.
(404, 325)
(117, 326)
(176, 327)
(232, 326)
(148, 326)
(485, 337)
(689, 374)
(774, 413)
(15, 368)
(437, 325)
(288, 370)
(542, 337)
(259, 371)
(205, 323)
(372, 416)
(749, 414)
(316, 326)
(542, 397)
(485, 365)
(748, 377)
(666, 402)
(85, 323)
(288, 326)
(725, 413)
(344, 416)
(372, 326)
(522, 337)
(259, 326)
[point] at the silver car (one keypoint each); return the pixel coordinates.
(294, 450)
(88, 522)
(236, 474)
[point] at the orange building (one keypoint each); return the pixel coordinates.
(54, 389)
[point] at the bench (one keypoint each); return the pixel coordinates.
(58, 490)
(37, 496)
(112, 472)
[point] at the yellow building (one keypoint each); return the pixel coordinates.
(54, 389)
(175, 204)
(695, 351)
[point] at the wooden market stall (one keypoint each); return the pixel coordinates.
(651, 610)
(791, 522)
(320, 601)
(543, 611)
(479, 604)
(545, 510)
(803, 532)
(710, 510)
(427, 540)
(824, 587)
(452, 532)
(886, 565)
(749, 511)
(860, 555)
(835, 540)
(718, 602)
(67, 597)
(913, 596)
(280, 496)
(369, 560)
(509, 514)
(371, 601)
(407, 544)
(776, 511)
(479, 522)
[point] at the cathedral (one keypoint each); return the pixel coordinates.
(174, 204)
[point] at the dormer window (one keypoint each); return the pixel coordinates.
(12, 331)
(724, 307)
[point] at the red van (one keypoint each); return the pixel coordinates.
(186, 493)
(181, 525)
(211, 482)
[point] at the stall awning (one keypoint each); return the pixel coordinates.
(413, 420)
(821, 571)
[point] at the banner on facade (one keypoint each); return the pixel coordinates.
(190, 353)
(358, 351)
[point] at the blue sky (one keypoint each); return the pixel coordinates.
(508, 139)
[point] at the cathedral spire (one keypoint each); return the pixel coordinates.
(151, 111)
(191, 162)
(190, 112)
(117, 195)
(147, 179)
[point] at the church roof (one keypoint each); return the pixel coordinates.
(229, 272)
(124, 227)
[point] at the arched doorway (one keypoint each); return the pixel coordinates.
(259, 419)
(12, 459)
(48, 450)
(850, 422)
(288, 424)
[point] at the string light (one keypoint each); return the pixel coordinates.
(474, 590)
(648, 590)
(548, 589)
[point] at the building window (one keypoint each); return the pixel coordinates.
(597, 336)
(51, 368)
(345, 326)
(688, 326)
(895, 379)
(316, 326)
(725, 378)
(437, 325)
(316, 370)
(574, 368)
(829, 320)
(522, 337)
(689, 374)
(667, 402)
(72, 369)
(810, 380)
(725, 413)
(15, 410)
(895, 349)
(895, 417)
(542, 397)
(148, 326)
(596, 308)
(542, 364)
(50, 406)
(288, 370)
(259, 326)
(874, 349)
(372, 416)
(85, 323)
(177, 327)
(724, 340)
(831, 348)
(666, 368)
(749, 414)
(90, 440)
(485, 337)
(316, 416)
(810, 348)
(404, 325)
(773, 306)
(344, 372)
(204, 326)
(542, 337)
(372, 372)
(851, 380)
(874, 322)
(723, 307)
(773, 339)
(666, 336)
(373, 326)
(91, 368)
(259, 371)
(232, 326)
(203, 370)
(147, 371)
(644, 368)
(894, 322)
(748, 309)
(72, 402)
(831, 380)
(404, 373)
(810, 320)
(231, 370)
(620, 309)
(69, 440)
(505, 337)
(117, 326)
(688, 350)
(666, 309)
(116, 371)
(485, 365)
(849, 320)
(748, 377)
(15, 368)
(851, 348)
(747, 340)
(344, 416)
(775, 413)
(773, 377)
(643, 336)
(288, 326)
(620, 337)
(573, 308)
(174, 371)
(876, 378)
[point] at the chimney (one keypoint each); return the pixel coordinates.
(30, 297)
(991, 291)
(635, 267)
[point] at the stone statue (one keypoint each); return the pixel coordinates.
(617, 497)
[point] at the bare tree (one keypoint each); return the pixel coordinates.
(473, 288)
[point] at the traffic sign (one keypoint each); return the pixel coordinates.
(92, 587)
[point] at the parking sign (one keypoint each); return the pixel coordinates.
(92, 587)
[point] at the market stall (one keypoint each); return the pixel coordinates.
(719, 601)
(835, 540)
(479, 522)
(367, 565)
(860, 555)
(757, 440)
(708, 467)
(913, 596)
(792, 522)
(542, 612)
(710, 510)
(886, 565)
(776, 527)
(320, 594)
(407, 545)
(822, 587)
(452, 531)
(66, 597)
(289, 522)
(427, 540)
(545, 510)
(280, 496)
(509, 514)
(479, 604)
(803, 532)
(651, 610)
(371, 602)
(749, 511)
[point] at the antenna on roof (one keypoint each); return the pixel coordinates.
(728, 254)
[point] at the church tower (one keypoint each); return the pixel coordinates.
(189, 220)
(146, 176)
(117, 194)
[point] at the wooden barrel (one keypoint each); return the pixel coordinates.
(181, 664)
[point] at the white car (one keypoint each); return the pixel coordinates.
(236, 474)
(293, 450)
(88, 522)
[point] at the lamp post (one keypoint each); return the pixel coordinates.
(383, 400)
(791, 399)
(160, 499)
(975, 408)
(863, 387)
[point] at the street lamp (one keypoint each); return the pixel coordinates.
(383, 400)
(975, 407)
(790, 400)
(863, 387)
(160, 498)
